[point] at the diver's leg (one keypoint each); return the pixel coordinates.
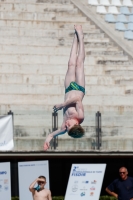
(80, 77)
(70, 75)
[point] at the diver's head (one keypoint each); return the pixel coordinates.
(76, 131)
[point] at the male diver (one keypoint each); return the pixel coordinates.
(73, 111)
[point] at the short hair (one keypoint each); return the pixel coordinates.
(124, 168)
(76, 131)
(42, 177)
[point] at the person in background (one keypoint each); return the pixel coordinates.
(121, 188)
(40, 192)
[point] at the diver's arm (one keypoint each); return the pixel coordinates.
(60, 131)
(74, 100)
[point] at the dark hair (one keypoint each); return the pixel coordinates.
(76, 131)
(42, 177)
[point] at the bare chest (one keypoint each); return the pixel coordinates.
(41, 195)
(70, 112)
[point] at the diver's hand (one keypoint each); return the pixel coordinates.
(47, 142)
(57, 107)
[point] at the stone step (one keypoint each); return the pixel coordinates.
(108, 100)
(8, 31)
(90, 111)
(97, 52)
(111, 110)
(43, 41)
(56, 79)
(36, 143)
(117, 67)
(114, 100)
(33, 121)
(47, 16)
(118, 121)
(32, 69)
(31, 89)
(44, 59)
(58, 50)
(54, 1)
(44, 25)
(46, 120)
(41, 114)
(46, 41)
(114, 63)
(124, 81)
(35, 131)
(99, 43)
(47, 68)
(108, 131)
(36, 16)
(52, 89)
(28, 144)
(50, 42)
(37, 1)
(109, 122)
(129, 91)
(119, 72)
(104, 90)
(118, 144)
(47, 79)
(48, 33)
(42, 17)
(35, 7)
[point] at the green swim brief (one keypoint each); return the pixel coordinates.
(75, 86)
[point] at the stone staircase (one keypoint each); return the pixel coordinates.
(35, 42)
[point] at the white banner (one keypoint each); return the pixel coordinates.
(28, 172)
(6, 133)
(85, 181)
(5, 182)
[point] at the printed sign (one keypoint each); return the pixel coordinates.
(6, 133)
(28, 172)
(85, 181)
(5, 183)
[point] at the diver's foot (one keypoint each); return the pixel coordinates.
(76, 33)
(78, 29)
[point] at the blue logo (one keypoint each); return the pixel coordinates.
(82, 194)
(3, 172)
(77, 172)
(86, 182)
(6, 187)
(75, 168)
